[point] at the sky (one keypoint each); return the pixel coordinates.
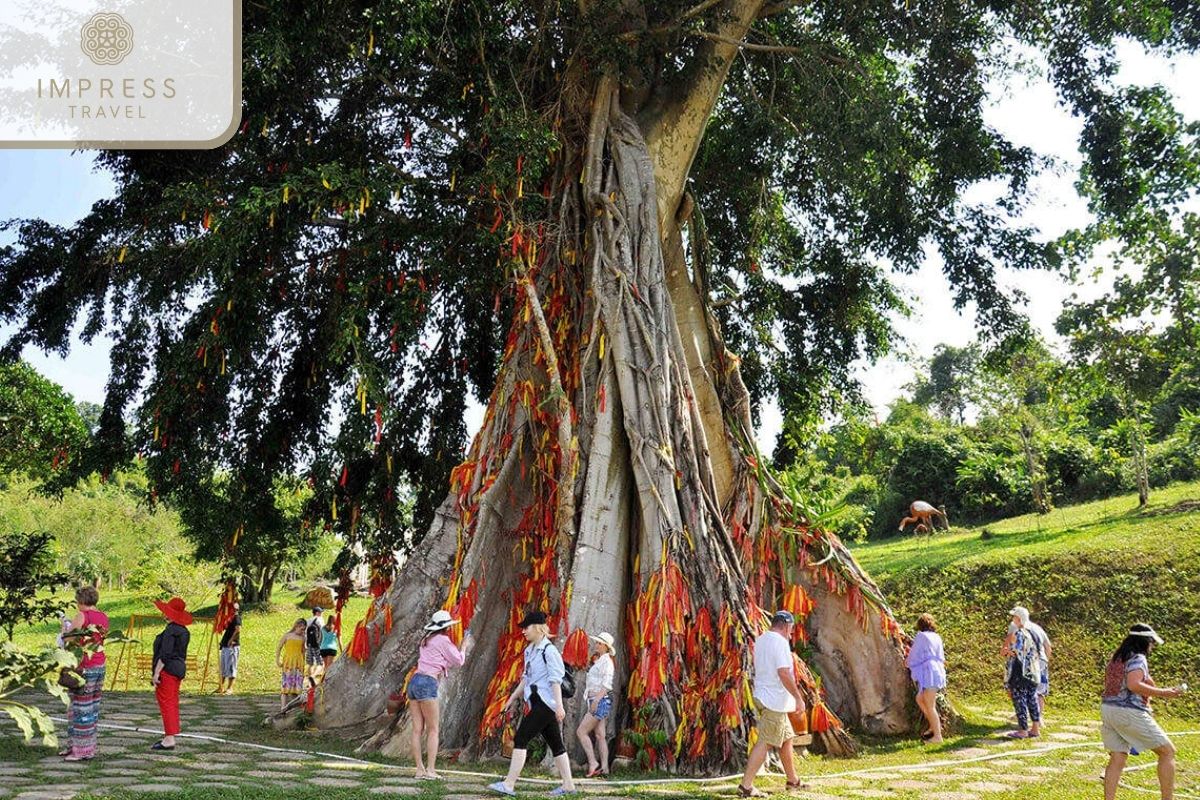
(60, 186)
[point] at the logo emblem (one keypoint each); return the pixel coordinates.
(106, 39)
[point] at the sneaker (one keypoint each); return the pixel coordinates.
(499, 787)
(561, 791)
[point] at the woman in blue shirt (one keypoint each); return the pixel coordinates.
(541, 688)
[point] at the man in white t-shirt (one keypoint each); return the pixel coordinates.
(775, 696)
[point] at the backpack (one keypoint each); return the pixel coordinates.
(312, 635)
(568, 681)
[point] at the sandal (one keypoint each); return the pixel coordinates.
(791, 787)
(593, 772)
(74, 758)
(751, 792)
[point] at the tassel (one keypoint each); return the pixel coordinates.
(575, 653)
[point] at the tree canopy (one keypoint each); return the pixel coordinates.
(40, 428)
(337, 259)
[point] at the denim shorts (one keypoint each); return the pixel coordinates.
(603, 708)
(422, 687)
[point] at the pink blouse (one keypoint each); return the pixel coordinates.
(100, 619)
(438, 656)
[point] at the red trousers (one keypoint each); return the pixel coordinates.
(167, 694)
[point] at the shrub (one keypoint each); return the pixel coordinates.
(993, 484)
(1078, 470)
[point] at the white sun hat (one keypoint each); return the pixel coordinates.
(440, 621)
(607, 640)
(1144, 630)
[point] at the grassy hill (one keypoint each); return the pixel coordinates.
(1086, 573)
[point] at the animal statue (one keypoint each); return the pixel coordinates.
(924, 514)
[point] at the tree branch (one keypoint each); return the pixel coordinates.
(675, 122)
(743, 45)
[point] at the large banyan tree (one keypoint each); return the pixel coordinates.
(619, 225)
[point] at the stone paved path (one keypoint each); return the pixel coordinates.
(125, 764)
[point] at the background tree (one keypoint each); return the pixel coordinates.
(89, 414)
(1127, 360)
(949, 382)
(426, 200)
(1021, 377)
(40, 428)
(27, 577)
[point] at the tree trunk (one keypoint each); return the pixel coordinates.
(652, 518)
(1037, 475)
(1141, 462)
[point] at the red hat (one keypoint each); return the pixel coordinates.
(175, 610)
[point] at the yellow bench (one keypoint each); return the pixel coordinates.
(144, 663)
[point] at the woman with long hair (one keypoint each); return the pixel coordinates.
(290, 657)
(1127, 722)
(437, 656)
(927, 666)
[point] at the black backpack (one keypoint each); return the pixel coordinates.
(568, 681)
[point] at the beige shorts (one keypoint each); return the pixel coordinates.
(1126, 728)
(774, 727)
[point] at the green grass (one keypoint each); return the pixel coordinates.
(1105, 527)
(261, 631)
(1086, 572)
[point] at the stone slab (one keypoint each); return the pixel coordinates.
(405, 790)
(909, 784)
(988, 787)
(109, 780)
(334, 782)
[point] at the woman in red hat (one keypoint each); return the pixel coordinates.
(170, 665)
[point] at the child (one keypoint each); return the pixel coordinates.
(437, 657)
(289, 656)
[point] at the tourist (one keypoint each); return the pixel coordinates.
(170, 667)
(541, 688)
(1023, 675)
(89, 627)
(927, 665)
(437, 656)
(598, 694)
(314, 634)
(776, 695)
(290, 658)
(1126, 721)
(329, 647)
(231, 649)
(1044, 647)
